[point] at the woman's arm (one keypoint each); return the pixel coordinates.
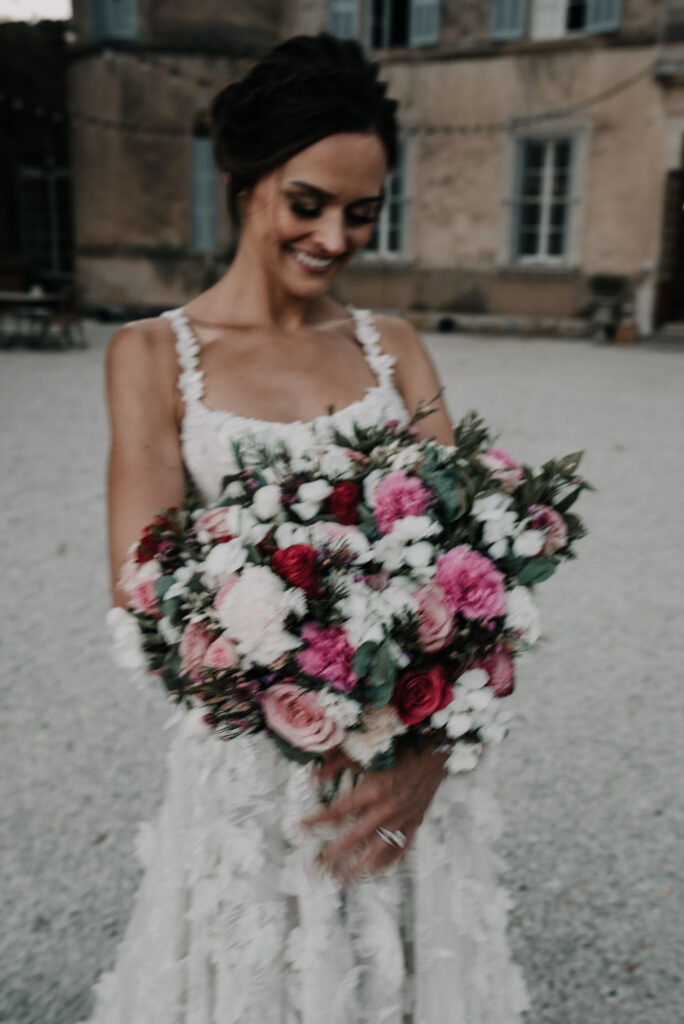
(145, 471)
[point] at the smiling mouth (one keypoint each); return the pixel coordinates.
(313, 263)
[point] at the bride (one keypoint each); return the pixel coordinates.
(260, 904)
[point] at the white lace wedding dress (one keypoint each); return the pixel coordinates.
(230, 925)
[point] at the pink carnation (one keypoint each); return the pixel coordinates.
(503, 467)
(553, 526)
(397, 496)
(329, 656)
(472, 584)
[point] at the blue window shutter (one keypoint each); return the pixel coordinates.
(516, 212)
(424, 24)
(603, 15)
(508, 19)
(342, 18)
(114, 19)
(204, 194)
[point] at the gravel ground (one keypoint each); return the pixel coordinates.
(589, 777)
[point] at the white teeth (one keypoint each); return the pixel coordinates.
(312, 261)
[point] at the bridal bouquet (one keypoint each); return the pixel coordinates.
(372, 588)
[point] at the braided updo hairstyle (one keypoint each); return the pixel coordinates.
(303, 90)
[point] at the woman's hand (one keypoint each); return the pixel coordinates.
(395, 798)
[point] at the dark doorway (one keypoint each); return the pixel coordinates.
(670, 293)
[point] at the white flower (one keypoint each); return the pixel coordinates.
(306, 510)
(490, 506)
(225, 559)
(126, 640)
(498, 526)
(458, 724)
(236, 489)
(407, 457)
(288, 534)
(343, 710)
(239, 521)
(315, 491)
(413, 528)
(522, 614)
(480, 700)
(370, 485)
(332, 535)
(169, 632)
(266, 502)
(254, 610)
(498, 550)
(380, 726)
(419, 555)
(334, 462)
(473, 679)
(464, 757)
(529, 543)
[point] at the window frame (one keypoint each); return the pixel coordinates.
(578, 132)
(102, 23)
(383, 256)
(413, 38)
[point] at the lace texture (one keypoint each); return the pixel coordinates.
(233, 925)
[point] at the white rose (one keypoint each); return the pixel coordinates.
(225, 559)
(239, 520)
(498, 526)
(125, 640)
(418, 555)
(253, 612)
(306, 510)
(315, 491)
(266, 502)
(412, 528)
(335, 462)
(498, 550)
(458, 725)
(288, 534)
(522, 614)
(529, 543)
(370, 485)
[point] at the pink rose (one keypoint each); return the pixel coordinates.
(225, 589)
(221, 653)
(471, 582)
(436, 618)
(553, 526)
(501, 671)
(214, 522)
(296, 715)
(503, 467)
(144, 596)
(398, 495)
(193, 647)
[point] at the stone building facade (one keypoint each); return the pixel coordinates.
(542, 157)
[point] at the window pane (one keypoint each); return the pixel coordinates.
(576, 15)
(556, 243)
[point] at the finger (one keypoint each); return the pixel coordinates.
(371, 858)
(332, 765)
(363, 831)
(360, 797)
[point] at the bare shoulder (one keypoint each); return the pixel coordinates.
(142, 345)
(400, 339)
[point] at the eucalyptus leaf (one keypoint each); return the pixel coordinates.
(536, 570)
(363, 658)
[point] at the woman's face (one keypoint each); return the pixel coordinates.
(307, 218)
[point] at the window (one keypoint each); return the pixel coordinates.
(343, 18)
(508, 19)
(387, 22)
(45, 219)
(390, 231)
(552, 19)
(542, 200)
(204, 193)
(114, 19)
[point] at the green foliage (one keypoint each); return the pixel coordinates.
(536, 571)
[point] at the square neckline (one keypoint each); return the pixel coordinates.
(191, 380)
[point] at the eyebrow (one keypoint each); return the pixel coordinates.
(322, 194)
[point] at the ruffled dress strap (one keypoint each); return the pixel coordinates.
(380, 362)
(191, 378)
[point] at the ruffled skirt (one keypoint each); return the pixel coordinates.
(232, 925)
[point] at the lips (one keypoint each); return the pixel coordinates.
(313, 264)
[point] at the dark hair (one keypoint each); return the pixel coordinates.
(303, 90)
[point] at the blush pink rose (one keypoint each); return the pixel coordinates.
(221, 653)
(471, 582)
(213, 522)
(436, 618)
(503, 467)
(553, 526)
(193, 647)
(144, 596)
(296, 715)
(398, 495)
(501, 671)
(225, 589)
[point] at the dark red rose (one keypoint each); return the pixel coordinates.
(343, 502)
(297, 565)
(147, 547)
(418, 695)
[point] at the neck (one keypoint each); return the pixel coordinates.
(246, 295)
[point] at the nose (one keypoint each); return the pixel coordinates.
(330, 233)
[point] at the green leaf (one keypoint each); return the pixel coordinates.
(380, 696)
(161, 586)
(383, 671)
(536, 570)
(363, 658)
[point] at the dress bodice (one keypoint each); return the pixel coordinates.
(207, 434)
